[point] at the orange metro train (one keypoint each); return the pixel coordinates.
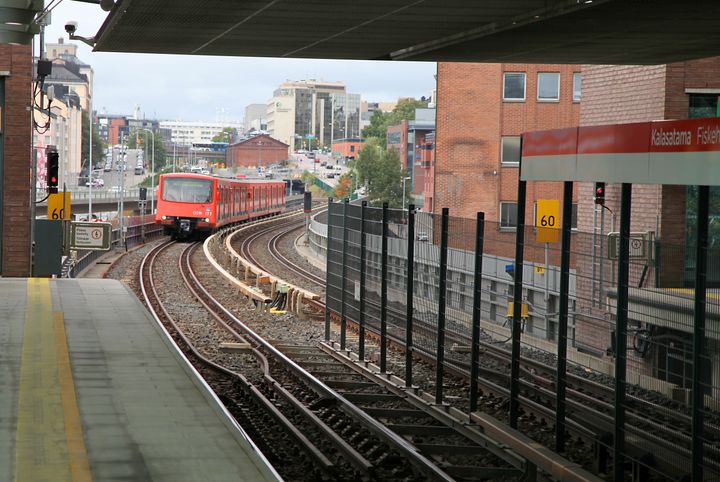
(194, 203)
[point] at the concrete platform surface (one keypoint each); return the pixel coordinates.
(92, 389)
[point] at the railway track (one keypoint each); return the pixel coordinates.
(301, 403)
(659, 433)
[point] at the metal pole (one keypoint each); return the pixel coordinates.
(477, 310)
(563, 317)
(90, 164)
(343, 319)
(361, 321)
(383, 290)
(517, 306)
(327, 271)
(621, 331)
(440, 355)
(698, 365)
(410, 285)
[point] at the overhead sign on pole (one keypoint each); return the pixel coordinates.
(547, 221)
(56, 209)
(90, 236)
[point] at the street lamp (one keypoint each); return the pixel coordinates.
(403, 198)
(152, 173)
(259, 144)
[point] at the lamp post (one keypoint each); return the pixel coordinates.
(259, 144)
(152, 173)
(403, 195)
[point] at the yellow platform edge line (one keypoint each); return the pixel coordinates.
(79, 463)
(40, 446)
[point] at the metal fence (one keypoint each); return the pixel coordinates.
(630, 393)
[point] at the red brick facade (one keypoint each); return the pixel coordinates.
(471, 120)
(261, 150)
(15, 160)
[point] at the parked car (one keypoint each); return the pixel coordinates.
(96, 182)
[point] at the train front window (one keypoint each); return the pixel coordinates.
(187, 190)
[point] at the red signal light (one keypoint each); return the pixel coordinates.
(599, 193)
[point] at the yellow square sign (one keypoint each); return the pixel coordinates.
(55, 207)
(547, 221)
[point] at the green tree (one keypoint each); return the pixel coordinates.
(139, 138)
(98, 144)
(226, 135)
(380, 170)
(380, 121)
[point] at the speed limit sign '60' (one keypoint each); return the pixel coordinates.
(547, 221)
(56, 209)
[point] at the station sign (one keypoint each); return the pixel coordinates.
(685, 152)
(90, 236)
(547, 221)
(56, 208)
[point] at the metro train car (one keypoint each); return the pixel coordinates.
(189, 204)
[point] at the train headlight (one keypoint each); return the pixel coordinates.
(163, 218)
(207, 220)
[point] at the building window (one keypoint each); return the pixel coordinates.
(508, 215)
(514, 86)
(510, 151)
(548, 86)
(577, 86)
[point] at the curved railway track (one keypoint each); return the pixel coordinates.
(660, 433)
(269, 390)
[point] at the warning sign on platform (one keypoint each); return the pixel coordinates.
(547, 221)
(56, 209)
(90, 236)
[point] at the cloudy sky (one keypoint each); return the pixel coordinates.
(194, 88)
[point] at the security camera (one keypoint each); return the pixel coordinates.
(71, 27)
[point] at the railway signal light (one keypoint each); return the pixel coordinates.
(599, 194)
(53, 168)
(143, 194)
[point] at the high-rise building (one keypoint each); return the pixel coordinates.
(313, 113)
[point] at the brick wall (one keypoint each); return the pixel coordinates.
(250, 153)
(15, 229)
(471, 119)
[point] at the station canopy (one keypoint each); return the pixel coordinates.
(522, 31)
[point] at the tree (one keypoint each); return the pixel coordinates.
(380, 121)
(98, 144)
(380, 170)
(225, 135)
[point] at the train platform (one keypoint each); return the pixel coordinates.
(93, 389)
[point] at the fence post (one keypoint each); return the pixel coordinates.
(477, 313)
(517, 306)
(327, 272)
(440, 355)
(410, 292)
(383, 291)
(621, 331)
(343, 319)
(361, 321)
(699, 332)
(561, 376)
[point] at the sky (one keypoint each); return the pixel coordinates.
(197, 88)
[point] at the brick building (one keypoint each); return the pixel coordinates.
(408, 139)
(481, 111)
(15, 142)
(260, 150)
(347, 148)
